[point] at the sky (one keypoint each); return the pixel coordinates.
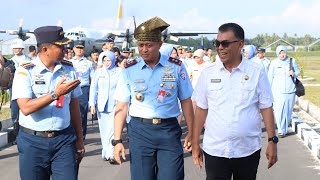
(298, 17)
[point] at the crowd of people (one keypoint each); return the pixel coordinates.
(55, 86)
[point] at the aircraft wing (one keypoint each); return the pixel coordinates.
(189, 33)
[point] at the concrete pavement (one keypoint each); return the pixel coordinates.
(295, 162)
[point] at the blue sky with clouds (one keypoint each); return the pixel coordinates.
(255, 16)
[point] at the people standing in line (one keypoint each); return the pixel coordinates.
(85, 71)
(18, 59)
(265, 61)
(152, 84)
(101, 101)
(281, 77)
(230, 97)
(50, 141)
(32, 52)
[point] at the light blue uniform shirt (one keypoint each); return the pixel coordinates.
(18, 60)
(103, 87)
(279, 77)
(84, 69)
(36, 81)
(159, 90)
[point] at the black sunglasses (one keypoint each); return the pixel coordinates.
(224, 43)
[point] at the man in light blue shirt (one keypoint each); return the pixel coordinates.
(153, 84)
(50, 132)
(85, 71)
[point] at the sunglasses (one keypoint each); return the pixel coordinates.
(223, 43)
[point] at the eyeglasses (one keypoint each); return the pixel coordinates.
(224, 43)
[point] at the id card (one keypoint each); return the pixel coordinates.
(60, 102)
(161, 95)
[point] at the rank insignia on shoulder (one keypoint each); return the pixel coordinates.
(130, 63)
(27, 65)
(68, 63)
(175, 61)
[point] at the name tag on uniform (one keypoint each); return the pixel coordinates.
(40, 82)
(101, 76)
(215, 80)
(138, 81)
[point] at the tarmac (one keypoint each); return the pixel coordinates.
(296, 161)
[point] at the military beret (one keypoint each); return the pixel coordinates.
(150, 30)
(51, 34)
(79, 43)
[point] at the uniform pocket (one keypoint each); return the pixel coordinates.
(215, 92)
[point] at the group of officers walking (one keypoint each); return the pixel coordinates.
(228, 100)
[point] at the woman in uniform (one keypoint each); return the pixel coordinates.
(281, 76)
(101, 96)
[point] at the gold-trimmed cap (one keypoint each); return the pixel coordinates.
(150, 30)
(51, 34)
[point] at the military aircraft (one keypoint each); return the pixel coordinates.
(95, 38)
(23, 34)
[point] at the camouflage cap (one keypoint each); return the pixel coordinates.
(150, 30)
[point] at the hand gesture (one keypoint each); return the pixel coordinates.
(64, 87)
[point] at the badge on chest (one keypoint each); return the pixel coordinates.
(168, 75)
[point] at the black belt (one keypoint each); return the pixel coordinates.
(48, 134)
(155, 120)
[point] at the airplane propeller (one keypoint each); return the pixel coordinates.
(23, 34)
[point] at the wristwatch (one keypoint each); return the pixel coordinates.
(274, 139)
(54, 96)
(115, 142)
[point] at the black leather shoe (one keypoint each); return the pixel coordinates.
(105, 159)
(112, 161)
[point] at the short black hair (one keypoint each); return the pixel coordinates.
(94, 50)
(32, 48)
(115, 49)
(235, 28)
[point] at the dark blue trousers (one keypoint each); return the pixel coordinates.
(84, 107)
(40, 157)
(155, 151)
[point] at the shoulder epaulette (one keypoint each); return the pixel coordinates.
(27, 65)
(130, 63)
(175, 61)
(68, 63)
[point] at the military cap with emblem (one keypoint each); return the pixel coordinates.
(126, 50)
(51, 34)
(150, 30)
(188, 50)
(79, 43)
(262, 50)
(110, 39)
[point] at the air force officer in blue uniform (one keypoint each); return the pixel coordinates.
(50, 127)
(153, 84)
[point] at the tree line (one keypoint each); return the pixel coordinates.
(261, 40)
